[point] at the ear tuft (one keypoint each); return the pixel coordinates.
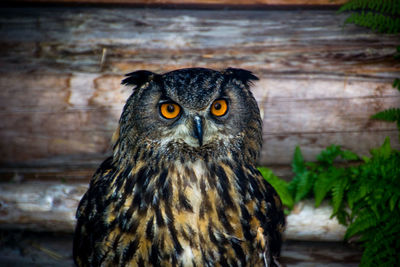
(138, 78)
(242, 75)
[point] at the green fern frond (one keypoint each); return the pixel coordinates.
(298, 167)
(396, 82)
(378, 15)
(279, 185)
(393, 201)
(323, 184)
(365, 196)
(354, 196)
(298, 164)
(363, 222)
(382, 152)
(381, 244)
(349, 155)
(338, 191)
(392, 115)
(385, 6)
(375, 21)
(329, 154)
(306, 182)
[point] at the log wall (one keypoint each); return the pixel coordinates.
(60, 72)
(61, 67)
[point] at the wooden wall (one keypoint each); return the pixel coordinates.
(60, 72)
(61, 67)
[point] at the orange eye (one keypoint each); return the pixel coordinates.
(170, 110)
(219, 107)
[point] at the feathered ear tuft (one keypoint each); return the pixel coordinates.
(138, 78)
(242, 75)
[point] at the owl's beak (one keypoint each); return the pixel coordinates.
(198, 129)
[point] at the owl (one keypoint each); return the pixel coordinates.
(181, 187)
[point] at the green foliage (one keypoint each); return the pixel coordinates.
(382, 16)
(392, 114)
(396, 82)
(279, 185)
(378, 15)
(376, 22)
(364, 195)
(389, 115)
(384, 6)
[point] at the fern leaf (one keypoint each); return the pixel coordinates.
(375, 21)
(392, 115)
(279, 185)
(298, 164)
(393, 201)
(338, 192)
(329, 154)
(396, 83)
(363, 222)
(298, 167)
(323, 184)
(356, 195)
(304, 186)
(384, 151)
(353, 5)
(383, 6)
(349, 155)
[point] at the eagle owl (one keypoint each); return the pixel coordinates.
(181, 187)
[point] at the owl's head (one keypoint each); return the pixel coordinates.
(195, 111)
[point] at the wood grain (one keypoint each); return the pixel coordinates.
(200, 2)
(267, 42)
(319, 82)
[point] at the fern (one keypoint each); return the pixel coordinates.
(363, 222)
(299, 168)
(374, 21)
(338, 191)
(381, 16)
(279, 185)
(396, 82)
(392, 114)
(323, 185)
(365, 197)
(390, 7)
(384, 6)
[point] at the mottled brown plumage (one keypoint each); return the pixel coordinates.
(182, 191)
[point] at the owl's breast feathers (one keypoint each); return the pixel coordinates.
(185, 213)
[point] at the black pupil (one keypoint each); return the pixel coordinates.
(217, 106)
(170, 108)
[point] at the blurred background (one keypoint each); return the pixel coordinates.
(62, 61)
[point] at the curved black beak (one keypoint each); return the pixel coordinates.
(198, 129)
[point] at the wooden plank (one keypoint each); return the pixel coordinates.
(200, 2)
(52, 206)
(39, 207)
(332, 254)
(267, 42)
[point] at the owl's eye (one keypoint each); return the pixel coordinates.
(170, 110)
(219, 107)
